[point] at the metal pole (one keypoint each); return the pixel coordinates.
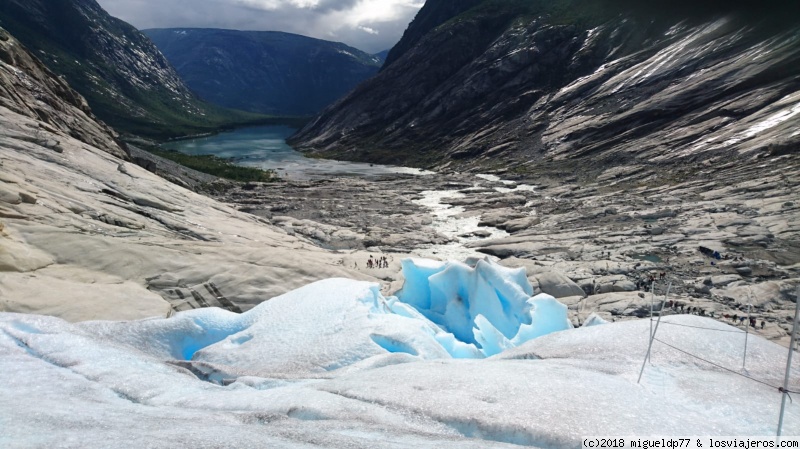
(789, 360)
(653, 336)
(746, 334)
(652, 298)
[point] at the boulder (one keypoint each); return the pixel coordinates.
(558, 285)
(519, 224)
(615, 283)
(497, 217)
(618, 303)
(9, 196)
(761, 294)
(724, 279)
(27, 198)
(655, 215)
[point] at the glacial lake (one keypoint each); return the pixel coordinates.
(265, 147)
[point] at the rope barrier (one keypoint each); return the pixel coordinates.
(706, 328)
(780, 389)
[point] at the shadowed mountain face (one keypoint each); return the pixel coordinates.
(28, 88)
(126, 80)
(266, 72)
(524, 83)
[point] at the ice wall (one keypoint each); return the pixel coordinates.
(445, 310)
(487, 306)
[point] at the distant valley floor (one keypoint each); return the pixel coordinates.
(593, 243)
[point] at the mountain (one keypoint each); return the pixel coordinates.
(126, 80)
(382, 55)
(526, 83)
(31, 90)
(264, 71)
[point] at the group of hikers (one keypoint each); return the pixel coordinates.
(716, 255)
(380, 262)
(679, 307)
(710, 253)
(646, 284)
(740, 319)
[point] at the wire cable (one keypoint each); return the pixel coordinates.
(780, 389)
(738, 331)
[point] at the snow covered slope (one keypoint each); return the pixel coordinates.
(335, 364)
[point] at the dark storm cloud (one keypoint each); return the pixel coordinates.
(370, 25)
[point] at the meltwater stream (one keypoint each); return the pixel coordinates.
(452, 222)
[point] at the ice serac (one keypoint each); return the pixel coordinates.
(324, 326)
(471, 312)
(488, 306)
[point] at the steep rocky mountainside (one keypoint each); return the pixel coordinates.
(433, 14)
(518, 84)
(123, 76)
(86, 235)
(264, 71)
(28, 88)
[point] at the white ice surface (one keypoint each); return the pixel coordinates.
(335, 364)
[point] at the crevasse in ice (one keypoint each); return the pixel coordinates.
(487, 306)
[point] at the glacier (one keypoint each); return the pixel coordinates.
(462, 356)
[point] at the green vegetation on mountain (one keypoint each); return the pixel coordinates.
(216, 166)
(122, 75)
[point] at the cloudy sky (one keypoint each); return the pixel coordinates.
(369, 25)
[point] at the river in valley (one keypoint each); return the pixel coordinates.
(266, 148)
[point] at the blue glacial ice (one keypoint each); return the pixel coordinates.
(487, 306)
(445, 310)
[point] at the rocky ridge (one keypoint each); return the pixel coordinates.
(28, 88)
